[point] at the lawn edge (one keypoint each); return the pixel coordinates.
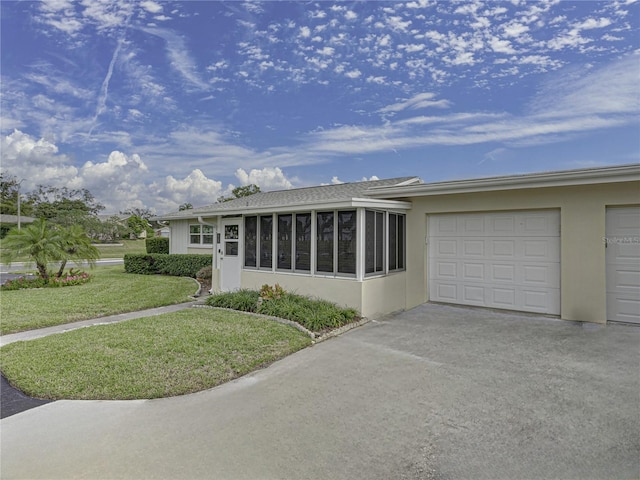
(315, 337)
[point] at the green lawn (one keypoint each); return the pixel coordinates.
(166, 355)
(110, 292)
(128, 246)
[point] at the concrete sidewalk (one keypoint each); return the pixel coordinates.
(66, 327)
(434, 393)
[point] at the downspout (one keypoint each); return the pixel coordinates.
(213, 248)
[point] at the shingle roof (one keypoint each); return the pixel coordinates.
(296, 196)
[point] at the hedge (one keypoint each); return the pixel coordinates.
(179, 265)
(157, 245)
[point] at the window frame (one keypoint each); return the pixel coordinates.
(387, 243)
(202, 234)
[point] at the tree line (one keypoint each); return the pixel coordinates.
(66, 207)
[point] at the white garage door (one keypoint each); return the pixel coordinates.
(623, 264)
(508, 260)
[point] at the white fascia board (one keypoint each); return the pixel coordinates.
(591, 176)
(306, 207)
(299, 207)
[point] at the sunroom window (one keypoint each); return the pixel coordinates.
(374, 242)
(334, 245)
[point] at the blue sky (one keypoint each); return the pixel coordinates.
(153, 104)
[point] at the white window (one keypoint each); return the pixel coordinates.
(200, 234)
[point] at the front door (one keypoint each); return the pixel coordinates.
(229, 255)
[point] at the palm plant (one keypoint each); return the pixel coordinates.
(76, 246)
(40, 243)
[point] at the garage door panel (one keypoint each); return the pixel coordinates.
(541, 300)
(504, 298)
(447, 292)
(473, 248)
(502, 260)
(622, 240)
(446, 247)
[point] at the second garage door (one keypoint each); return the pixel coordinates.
(508, 260)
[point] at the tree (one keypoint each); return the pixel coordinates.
(63, 206)
(39, 242)
(76, 246)
(185, 206)
(138, 225)
(138, 212)
(239, 192)
(9, 191)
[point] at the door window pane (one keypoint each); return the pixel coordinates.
(250, 241)
(231, 249)
(324, 247)
(284, 241)
(347, 242)
(303, 242)
(266, 244)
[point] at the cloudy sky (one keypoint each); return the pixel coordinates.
(153, 104)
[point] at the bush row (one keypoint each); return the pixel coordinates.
(313, 314)
(179, 265)
(157, 245)
(69, 280)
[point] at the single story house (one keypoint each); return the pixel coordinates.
(564, 243)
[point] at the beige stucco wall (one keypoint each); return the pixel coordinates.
(373, 297)
(582, 252)
(343, 291)
(383, 295)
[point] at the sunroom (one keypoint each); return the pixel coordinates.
(330, 241)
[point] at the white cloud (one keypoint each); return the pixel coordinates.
(195, 188)
(151, 6)
(421, 100)
(305, 32)
(268, 178)
(353, 73)
(179, 56)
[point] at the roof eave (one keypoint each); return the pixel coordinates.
(297, 207)
(621, 173)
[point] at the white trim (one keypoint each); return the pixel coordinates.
(302, 206)
(589, 176)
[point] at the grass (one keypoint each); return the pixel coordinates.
(111, 291)
(128, 246)
(166, 355)
(314, 314)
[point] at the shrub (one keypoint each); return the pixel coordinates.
(179, 265)
(205, 273)
(243, 300)
(157, 245)
(313, 314)
(139, 263)
(269, 293)
(71, 279)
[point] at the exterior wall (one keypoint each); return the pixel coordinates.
(179, 238)
(344, 292)
(582, 251)
(384, 295)
(373, 297)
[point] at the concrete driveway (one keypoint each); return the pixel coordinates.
(434, 393)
